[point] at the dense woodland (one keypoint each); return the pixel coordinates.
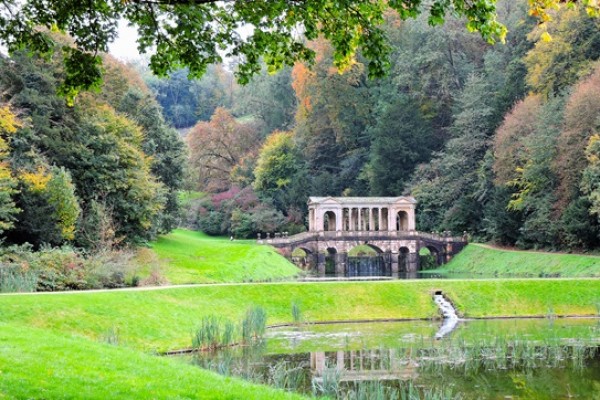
(498, 140)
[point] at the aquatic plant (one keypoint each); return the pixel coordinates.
(328, 384)
(284, 375)
(254, 324)
(208, 335)
(296, 313)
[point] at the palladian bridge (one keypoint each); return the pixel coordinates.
(336, 225)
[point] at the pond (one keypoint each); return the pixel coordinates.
(480, 359)
(314, 276)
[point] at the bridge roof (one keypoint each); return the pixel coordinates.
(362, 200)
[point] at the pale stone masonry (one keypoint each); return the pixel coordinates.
(349, 214)
(336, 225)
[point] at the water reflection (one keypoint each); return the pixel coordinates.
(541, 359)
(363, 365)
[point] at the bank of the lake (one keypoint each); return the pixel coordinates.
(163, 319)
(38, 364)
(480, 259)
(194, 257)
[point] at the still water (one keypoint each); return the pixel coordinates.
(484, 359)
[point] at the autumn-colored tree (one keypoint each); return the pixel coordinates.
(50, 208)
(8, 126)
(219, 146)
(564, 51)
(510, 152)
(581, 122)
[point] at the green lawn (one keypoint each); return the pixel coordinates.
(162, 319)
(482, 259)
(51, 344)
(37, 364)
(193, 257)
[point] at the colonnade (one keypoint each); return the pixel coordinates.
(349, 214)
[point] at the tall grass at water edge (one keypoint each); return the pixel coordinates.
(215, 332)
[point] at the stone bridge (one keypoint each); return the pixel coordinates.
(399, 249)
(386, 224)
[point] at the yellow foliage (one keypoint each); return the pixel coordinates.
(9, 123)
(591, 154)
(36, 181)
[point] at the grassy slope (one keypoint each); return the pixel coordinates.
(193, 257)
(37, 364)
(481, 259)
(49, 343)
(164, 319)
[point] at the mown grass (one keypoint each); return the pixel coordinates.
(37, 364)
(481, 259)
(53, 345)
(164, 319)
(194, 257)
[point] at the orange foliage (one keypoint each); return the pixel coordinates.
(581, 120)
(302, 76)
(509, 148)
(220, 148)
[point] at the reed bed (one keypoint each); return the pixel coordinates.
(215, 332)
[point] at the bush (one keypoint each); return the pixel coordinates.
(16, 278)
(64, 268)
(240, 213)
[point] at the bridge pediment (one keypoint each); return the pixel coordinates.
(323, 200)
(405, 200)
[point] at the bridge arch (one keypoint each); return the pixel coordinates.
(436, 253)
(330, 260)
(403, 259)
(329, 221)
(402, 221)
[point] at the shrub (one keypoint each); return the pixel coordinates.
(17, 278)
(64, 268)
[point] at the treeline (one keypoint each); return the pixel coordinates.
(498, 141)
(97, 176)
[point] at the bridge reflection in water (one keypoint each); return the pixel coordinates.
(362, 365)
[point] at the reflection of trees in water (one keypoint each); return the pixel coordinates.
(500, 366)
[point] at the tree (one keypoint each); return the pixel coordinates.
(191, 33)
(581, 122)
(280, 173)
(101, 149)
(269, 98)
(553, 65)
(50, 208)
(448, 188)
(220, 146)
(401, 139)
(186, 101)
(8, 183)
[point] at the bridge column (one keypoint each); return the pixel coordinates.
(321, 259)
(413, 262)
(341, 259)
(339, 219)
(394, 263)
